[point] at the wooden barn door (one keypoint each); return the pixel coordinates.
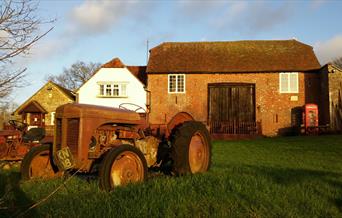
(232, 108)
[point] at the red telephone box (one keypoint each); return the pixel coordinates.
(310, 118)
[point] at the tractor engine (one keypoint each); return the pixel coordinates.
(109, 136)
(149, 147)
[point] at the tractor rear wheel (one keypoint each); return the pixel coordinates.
(36, 164)
(122, 165)
(191, 148)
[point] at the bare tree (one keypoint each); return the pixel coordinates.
(6, 109)
(19, 30)
(338, 62)
(78, 73)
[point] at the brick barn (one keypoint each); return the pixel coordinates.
(237, 88)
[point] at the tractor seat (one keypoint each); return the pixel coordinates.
(34, 134)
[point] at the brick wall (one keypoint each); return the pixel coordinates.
(273, 109)
(324, 114)
(333, 97)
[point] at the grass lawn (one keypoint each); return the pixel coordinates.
(270, 177)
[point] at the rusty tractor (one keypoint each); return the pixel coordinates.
(120, 145)
(17, 141)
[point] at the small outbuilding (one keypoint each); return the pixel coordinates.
(39, 109)
(331, 103)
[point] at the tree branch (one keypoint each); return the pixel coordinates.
(19, 31)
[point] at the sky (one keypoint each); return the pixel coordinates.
(100, 30)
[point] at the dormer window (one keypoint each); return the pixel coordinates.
(112, 89)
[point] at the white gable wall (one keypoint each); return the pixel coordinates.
(88, 93)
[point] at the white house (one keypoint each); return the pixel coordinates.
(114, 84)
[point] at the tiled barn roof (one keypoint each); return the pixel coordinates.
(232, 56)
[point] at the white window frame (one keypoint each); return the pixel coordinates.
(52, 121)
(288, 74)
(177, 77)
(118, 85)
(103, 89)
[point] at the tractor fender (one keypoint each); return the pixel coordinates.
(176, 120)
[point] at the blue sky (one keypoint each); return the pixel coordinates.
(98, 31)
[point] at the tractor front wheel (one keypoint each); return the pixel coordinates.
(191, 148)
(36, 164)
(122, 165)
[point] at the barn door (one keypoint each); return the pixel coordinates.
(231, 106)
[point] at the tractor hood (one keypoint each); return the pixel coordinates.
(75, 110)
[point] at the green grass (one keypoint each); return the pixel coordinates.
(271, 177)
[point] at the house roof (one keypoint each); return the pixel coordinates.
(29, 101)
(32, 107)
(115, 63)
(67, 92)
(232, 56)
(139, 72)
(332, 65)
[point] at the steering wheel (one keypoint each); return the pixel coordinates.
(18, 124)
(137, 107)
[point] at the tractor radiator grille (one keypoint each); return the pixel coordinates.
(58, 134)
(72, 134)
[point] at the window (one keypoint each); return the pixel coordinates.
(288, 82)
(52, 121)
(112, 89)
(108, 90)
(101, 89)
(116, 90)
(176, 83)
(123, 89)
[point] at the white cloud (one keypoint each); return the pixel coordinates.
(329, 50)
(54, 46)
(237, 9)
(94, 17)
(239, 16)
(209, 11)
(253, 17)
(203, 39)
(88, 19)
(263, 17)
(232, 13)
(197, 9)
(316, 4)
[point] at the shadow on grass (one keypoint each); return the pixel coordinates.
(13, 201)
(289, 176)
